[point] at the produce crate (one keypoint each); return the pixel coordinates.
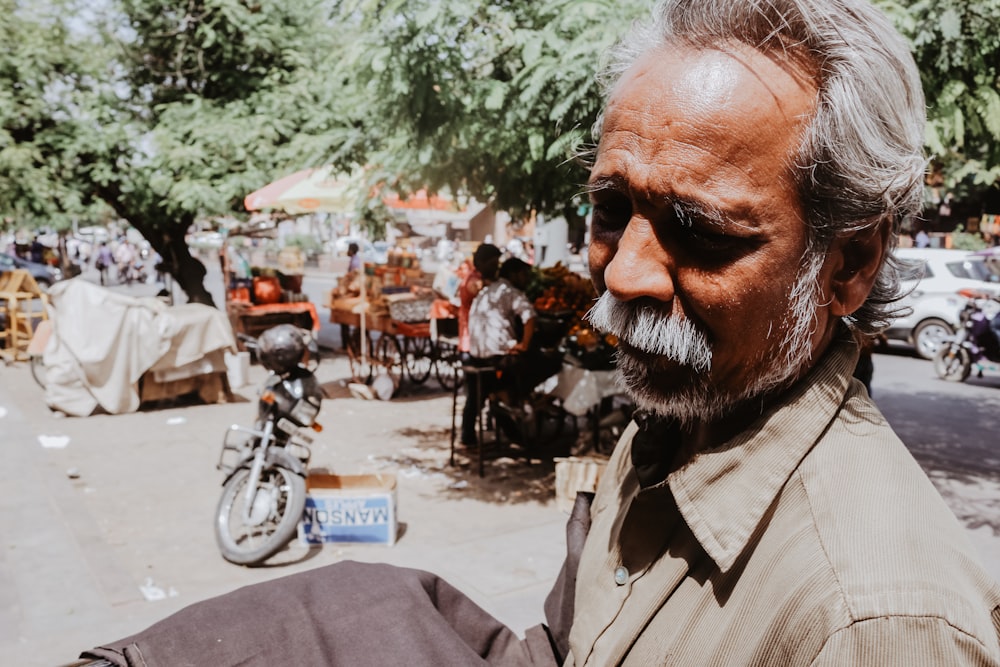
(576, 474)
(410, 310)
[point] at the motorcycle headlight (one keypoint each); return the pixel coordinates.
(304, 412)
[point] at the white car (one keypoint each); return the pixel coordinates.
(932, 280)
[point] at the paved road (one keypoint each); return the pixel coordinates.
(951, 427)
(952, 430)
(100, 516)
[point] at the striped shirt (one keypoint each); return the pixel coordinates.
(812, 538)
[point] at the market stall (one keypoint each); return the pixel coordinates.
(385, 314)
(260, 297)
(583, 383)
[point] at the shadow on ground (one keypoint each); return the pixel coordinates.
(949, 434)
(510, 475)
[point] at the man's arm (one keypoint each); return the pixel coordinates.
(904, 640)
(525, 343)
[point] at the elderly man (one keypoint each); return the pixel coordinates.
(754, 161)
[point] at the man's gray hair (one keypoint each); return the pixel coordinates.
(861, 163)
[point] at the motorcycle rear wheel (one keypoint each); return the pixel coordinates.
(952, 362)
(284, 501)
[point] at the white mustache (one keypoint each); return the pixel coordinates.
(648, 330)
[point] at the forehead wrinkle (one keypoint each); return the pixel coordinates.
(629, 152)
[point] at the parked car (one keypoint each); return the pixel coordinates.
(931, 283)
(43, 274)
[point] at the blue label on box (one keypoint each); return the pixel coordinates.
(347, 519)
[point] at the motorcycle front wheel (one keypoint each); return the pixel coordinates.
(952, 362)
(276, 509)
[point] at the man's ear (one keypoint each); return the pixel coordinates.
(854, 261)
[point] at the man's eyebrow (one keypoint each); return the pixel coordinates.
(687, 211)
(611, 182)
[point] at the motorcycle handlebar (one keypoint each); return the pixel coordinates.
(250, 341)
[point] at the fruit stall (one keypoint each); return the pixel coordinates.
(260, 297)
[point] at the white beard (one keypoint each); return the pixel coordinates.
(654, 331)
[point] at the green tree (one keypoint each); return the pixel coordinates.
(956, 45)
(488, 99)
(48, 74)
(189, 107)
(218, 90)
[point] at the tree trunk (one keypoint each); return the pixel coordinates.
(189, 272)
(168, 240)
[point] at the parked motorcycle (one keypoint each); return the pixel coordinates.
(264, 492)
(973, 343)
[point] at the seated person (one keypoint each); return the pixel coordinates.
(501, 328)
(501, 323)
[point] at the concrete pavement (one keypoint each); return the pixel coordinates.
(100, 516)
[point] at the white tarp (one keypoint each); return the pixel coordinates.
(102, 342)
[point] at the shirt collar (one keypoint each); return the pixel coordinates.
(724, 493)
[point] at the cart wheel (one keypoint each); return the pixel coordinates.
(388, 357)
(417, 358)
(362, 368)
(447, 366)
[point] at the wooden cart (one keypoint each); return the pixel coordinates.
(410, 351)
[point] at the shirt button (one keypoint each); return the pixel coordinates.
(621, 576)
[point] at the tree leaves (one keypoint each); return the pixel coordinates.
(174, 111)
(956, 45)
(950, 23)
(496, 92)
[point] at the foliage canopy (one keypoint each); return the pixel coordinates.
(956, 45)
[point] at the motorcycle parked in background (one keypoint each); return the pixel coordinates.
(264, 492)
(973, 343)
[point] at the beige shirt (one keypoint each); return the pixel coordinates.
(813, 538)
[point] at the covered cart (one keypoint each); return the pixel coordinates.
(111, 352)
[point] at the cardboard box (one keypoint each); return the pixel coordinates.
(576, 474)
(349, 508)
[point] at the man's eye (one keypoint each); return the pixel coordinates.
(611, 214)
(720, 246)
(707, 238)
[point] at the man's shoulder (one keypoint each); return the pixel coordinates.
(889, 539)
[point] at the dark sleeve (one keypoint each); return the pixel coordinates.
(559, 605)
(350, 614)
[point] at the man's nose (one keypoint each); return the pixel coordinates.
(640, 266)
